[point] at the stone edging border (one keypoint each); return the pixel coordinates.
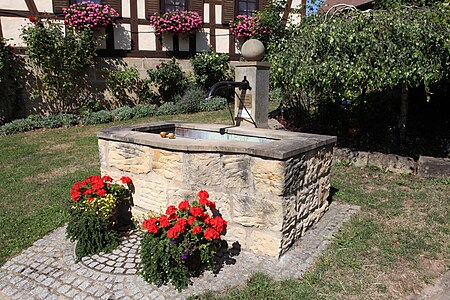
(425, 166)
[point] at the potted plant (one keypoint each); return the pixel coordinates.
(179, 243)
(88, 15)
(248, 27)
(176, 22)
(96, 213)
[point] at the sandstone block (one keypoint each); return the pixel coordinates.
(204, 169)
(258, 212)
(168, 164)
(129, 157)
(236, 233)
(224, 204)
(268, 175)
(393, 163)
(294, 175)
(236, 170)
(266, 242)
(102, 151)
(151, 193)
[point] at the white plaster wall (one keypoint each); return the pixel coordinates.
(222, 40)
(122, 37)
(296, 3)
(44, 5)
(218, 14)
(147, 39)
(206, 12)
(126, 8)
(13, 4)
(11, 28)
(141, 9)
(203, 41)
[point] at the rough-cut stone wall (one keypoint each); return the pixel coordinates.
(268, 203)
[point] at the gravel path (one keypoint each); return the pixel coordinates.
(47, 270)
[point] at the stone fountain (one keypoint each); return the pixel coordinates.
(270, 186)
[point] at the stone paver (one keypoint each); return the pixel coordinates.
(47, 270)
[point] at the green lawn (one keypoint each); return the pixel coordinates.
(395, 245)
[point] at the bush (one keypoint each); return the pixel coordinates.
(190, 101)
(122, 113)
(168, 108)
(99, 117)
(209, 68)
(216, 103)
(169, 79)
(123, 83)
(144, 110)
(20, 125)
(60, 62)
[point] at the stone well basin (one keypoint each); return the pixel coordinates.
(269, 185)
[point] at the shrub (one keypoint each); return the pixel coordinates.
(98, 117)
(60, 63)
(209, 68)
(169, 79)
(123, 83)
(168, 108)
(144, 110)
(20, 125)
(190, 101)
(216, 103)
(122, 113)
(176, 244)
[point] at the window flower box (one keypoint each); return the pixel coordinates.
(176, 22)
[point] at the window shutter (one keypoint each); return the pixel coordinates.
(227, 11)
(59, 4)
(116, 4)
(151, 7)
(197, 6)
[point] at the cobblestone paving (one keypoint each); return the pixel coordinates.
(47, 270)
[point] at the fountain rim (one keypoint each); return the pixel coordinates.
(285, 145)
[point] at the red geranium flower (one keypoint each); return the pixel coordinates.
(126, 180)
(196, 230)
(203, 195)
(191, 220)
(164, 221)
(211, 234)
(172, 233)
(171, 210)
(218, 224)
(107, 178)
(32, 19)
(101, 193)
(196, 211)
(184, 205)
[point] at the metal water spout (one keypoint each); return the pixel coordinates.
(242, 85)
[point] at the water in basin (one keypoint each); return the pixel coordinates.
(211, 135)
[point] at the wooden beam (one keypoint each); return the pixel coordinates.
(32, 7)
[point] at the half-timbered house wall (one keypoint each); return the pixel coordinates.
(133, 36)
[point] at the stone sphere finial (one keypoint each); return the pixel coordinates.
(253, 50)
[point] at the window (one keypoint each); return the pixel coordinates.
(174, 5)
(247, 7)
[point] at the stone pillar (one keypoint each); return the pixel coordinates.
(256, 100)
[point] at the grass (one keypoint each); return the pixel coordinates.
(395, 245)
(38, 169)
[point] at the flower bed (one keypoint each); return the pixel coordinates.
(88, 15)
(94, 219)
(177, 244)
(177, 22)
